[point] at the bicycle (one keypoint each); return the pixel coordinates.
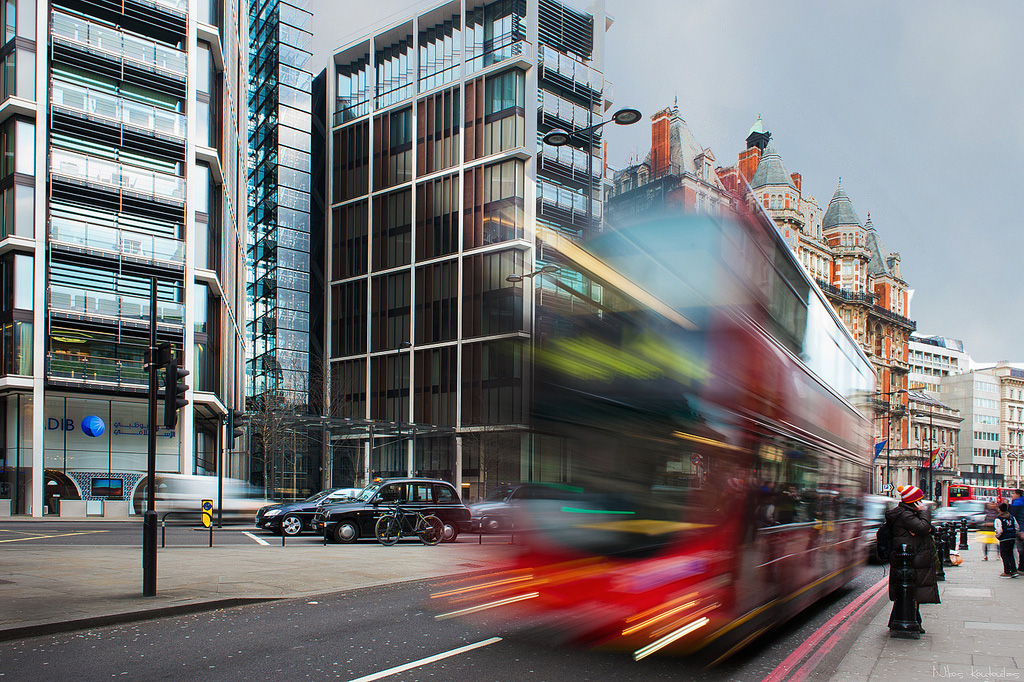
(391, 527)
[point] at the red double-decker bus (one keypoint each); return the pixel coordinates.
(697, 389)
(959, 492)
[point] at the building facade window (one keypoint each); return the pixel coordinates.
(392, 149)
(437, 217)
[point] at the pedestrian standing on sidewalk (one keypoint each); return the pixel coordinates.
(1006, 531)
(1017, 512)
(985, 533)
(910, 527)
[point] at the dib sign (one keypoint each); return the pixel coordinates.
(207, 513)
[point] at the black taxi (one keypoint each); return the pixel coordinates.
(353, 519)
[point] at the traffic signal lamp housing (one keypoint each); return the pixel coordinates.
(174, 395)
(236, 422)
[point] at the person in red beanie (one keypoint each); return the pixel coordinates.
(910, 527)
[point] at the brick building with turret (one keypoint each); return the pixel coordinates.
(844, 256)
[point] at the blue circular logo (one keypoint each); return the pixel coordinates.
(93, 426)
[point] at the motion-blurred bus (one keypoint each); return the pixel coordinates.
(696, 386)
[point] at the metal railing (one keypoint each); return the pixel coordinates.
(93, 368)
(112, 305)
(139, 181)
(112, 108)
(80, 32)
(121, 242)
(846, 294)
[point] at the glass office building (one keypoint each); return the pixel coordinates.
(135, 177)
(278, 366)
(439, 189)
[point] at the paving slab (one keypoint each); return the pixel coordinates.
(968, 635)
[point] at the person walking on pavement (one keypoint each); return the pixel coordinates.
(910, 527)
(1017, 512)
(985, 532)
(1007, 531)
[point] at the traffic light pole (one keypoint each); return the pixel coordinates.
(149, 522)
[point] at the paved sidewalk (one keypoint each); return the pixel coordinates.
(49, 588)
(976, 633)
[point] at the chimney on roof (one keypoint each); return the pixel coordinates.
(660, 142)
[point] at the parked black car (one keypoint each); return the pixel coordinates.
(349, 521)
(292, 518)
(502, 510)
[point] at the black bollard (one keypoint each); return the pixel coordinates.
(963, 534)
(904, 622)
(950, 544)
(940, 574)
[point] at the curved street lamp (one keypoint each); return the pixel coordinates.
(560, 138)
(540, 271)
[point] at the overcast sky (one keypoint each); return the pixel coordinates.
(918, 106)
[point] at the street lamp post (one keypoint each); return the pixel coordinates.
(560, 138)
(888, 440)
(931, 463)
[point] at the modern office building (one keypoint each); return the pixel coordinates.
(279, 373)
(124, 130)
(1011, 428)
(934, 357)
(440, 189)
(978, 397)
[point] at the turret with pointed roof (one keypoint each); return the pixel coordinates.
(770, 170)
(840, 211)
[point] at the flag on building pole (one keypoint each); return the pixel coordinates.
(931, 460)
(942, 459)
(878, 448)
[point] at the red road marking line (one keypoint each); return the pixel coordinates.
(813, 661)
(801, 651)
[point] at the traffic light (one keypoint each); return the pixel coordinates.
(236, 422)
(174, 396)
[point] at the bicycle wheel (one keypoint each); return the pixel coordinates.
(388, 530)
(430, 529)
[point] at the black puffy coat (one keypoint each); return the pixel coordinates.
(911, 528)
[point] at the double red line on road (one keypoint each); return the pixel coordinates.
(837, 625)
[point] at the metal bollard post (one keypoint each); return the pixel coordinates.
(940, 574)
(283, 536)
(949, 544)
(163, 533)
(904, 623)
(211, 533)
(963, 534)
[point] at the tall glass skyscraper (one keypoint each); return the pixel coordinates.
(124, 126)
(279, 379)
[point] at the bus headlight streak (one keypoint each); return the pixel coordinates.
(481, 586)
(669, 638)
(484, 607)
(655, 619)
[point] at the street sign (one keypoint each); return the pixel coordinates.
(887, 488)
(207, 513)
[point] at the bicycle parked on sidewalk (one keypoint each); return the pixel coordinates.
(395, 524)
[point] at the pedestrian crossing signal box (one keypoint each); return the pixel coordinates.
(207, 513)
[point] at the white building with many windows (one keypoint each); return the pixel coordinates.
(934, 357)
(124, 127)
